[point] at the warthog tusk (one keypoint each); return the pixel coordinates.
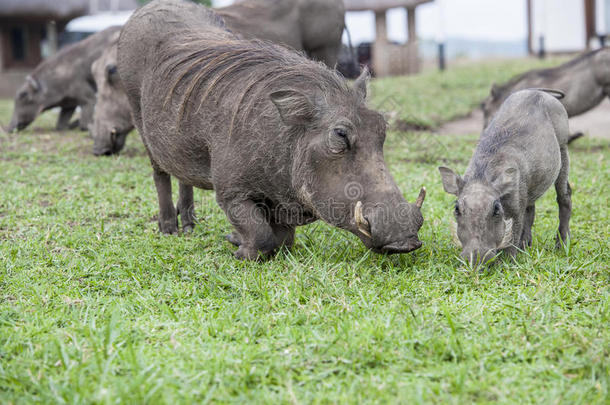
(363, 225)
(421, 197)
(507, 240)
(454, 234)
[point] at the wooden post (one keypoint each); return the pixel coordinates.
(530, 31)
(381, 65)
(52, 38)
(412, 51)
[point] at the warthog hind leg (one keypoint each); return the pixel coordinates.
(186, 208)
(168, 221)
(564, 198)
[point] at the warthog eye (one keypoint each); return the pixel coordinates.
(341, 139)
(497, 208)
(342, 132)
(457, 209)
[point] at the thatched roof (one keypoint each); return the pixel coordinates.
(381, 5)
(61, 10)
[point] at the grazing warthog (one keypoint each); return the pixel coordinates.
(312, 26)
(585, 81)
(63, 80)
(520, 155)
(283, 140)
(112, 117)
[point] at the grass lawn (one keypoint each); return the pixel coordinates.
(96, 306)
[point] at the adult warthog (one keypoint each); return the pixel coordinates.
(63, 80)
(312, 26)
(585, 81)
(282, 140)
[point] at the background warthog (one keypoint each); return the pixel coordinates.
(63, 80)
(312, 26)
(112, 117)
(585, 81)
(283, 140)
(520, 155)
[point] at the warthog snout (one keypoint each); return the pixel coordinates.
(390, 228)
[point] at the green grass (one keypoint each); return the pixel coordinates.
(97, 307)
(434, 97)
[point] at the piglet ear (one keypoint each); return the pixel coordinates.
(362, 82)
(452, 183)
(506, 181)
(294, 107)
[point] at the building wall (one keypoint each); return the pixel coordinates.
(561, 23)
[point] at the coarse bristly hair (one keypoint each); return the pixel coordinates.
(200, 65)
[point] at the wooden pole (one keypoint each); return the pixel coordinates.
(412, 51)
(380, 58)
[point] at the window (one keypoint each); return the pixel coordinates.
(18, 40)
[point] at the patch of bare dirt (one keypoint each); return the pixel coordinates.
(594, 123)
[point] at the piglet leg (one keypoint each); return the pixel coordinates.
(564, 198)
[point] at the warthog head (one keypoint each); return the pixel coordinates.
(112, 117)
(482, 229)
(28, 104)
(339, 169)
(492, 104)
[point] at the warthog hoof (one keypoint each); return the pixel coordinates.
(169, 227)
(234, 239)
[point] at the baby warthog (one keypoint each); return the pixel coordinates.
(283, 140)
(520, 155)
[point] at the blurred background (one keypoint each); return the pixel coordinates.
(393, 37)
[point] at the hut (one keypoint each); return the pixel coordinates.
(391, 59)
(28, 31)
(566, 26)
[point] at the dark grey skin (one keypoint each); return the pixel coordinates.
(520, 155)
(283, 140)
(112, 120)
(312, 26)
(63, 80)
(585, 81)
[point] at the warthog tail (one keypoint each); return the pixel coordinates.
(574, 137)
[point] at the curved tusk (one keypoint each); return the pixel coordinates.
(421, 197)
(363, 225)
(507, 240)
(454, 234)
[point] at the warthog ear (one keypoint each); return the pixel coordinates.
(362, 82)
(495, 91)
(506, 181)
(452, 183)
(33, 83)
(294, 107)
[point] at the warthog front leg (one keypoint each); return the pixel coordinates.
(168, 221)
(254, 234)
(63, 121)
(186, 208)
(564, 198)
(528, 222)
